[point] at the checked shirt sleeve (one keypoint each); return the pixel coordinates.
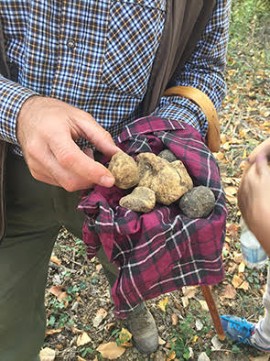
(204, 71)
(12, 96)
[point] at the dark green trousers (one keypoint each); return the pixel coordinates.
(35, 214)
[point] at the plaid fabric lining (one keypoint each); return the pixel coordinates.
(97, 55)
(162, 250)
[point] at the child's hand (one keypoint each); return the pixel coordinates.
(254, 196)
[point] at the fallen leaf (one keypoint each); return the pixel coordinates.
(204, 305)
(109, 326)
(237, 257)
(47, 354)
(98, 268)
(124, 336)
(161, 342)
(190, 291)
(101, 314)
(203, 357)
(83, 339)
(198, 325)
(174, 318)
(241, 267)
(244, 286)
(162, 304)
(237, 281)
(217, 345)
(185, 301)
(110, 350)
(56, 290)
(229, 292)
(55, 260)
(171, 356)
(53, 331)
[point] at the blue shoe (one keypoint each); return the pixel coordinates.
(240, 330)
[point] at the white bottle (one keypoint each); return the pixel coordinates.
(252, 251)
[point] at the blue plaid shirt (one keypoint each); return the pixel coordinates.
(98, 55)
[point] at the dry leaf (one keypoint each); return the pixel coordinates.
(47, 354)
(162, 304)
(174, 318)
(53, 331)
(229, 292)
(109, 326)
(110, 350)
(198, 325)
(56, 290)
(171, 356)
(124, 336)
(230, 191)
(244, 286)
(55, 260)
(237, 281)
(83, 339)
(185, 301)
(203, 357)
(217, 345)
(98, 268)
(190, 291)
(241, 267)
(101, 314)
(161, 342)
(237, 257)
(204, 305)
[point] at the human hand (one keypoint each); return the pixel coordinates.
(47, 129)
(262, 149)
(254, 198)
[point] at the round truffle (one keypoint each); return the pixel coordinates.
(198, 202)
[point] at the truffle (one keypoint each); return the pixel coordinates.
(169, 181)
(141, 199)
(168, 155)
(198, 202)
(125, 170)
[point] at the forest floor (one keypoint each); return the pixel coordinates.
(79, 308)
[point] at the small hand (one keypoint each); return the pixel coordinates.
(254, 199)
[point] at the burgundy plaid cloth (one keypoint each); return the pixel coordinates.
(163, 250)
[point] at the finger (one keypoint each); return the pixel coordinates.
(54, 174)
(263, 148)
(75, 163)
(98, 136)
(262, 164)
(89, 152)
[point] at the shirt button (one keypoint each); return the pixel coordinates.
(71, 43)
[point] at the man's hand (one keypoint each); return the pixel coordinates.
(47, 129)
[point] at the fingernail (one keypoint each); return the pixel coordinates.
(106, 181)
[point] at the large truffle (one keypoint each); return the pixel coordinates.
(198, 202)
(125, 170)
(141, 199)
(169, 181)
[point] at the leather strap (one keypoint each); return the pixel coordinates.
(207, 106)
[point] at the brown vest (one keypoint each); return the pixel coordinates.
(185, 21)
